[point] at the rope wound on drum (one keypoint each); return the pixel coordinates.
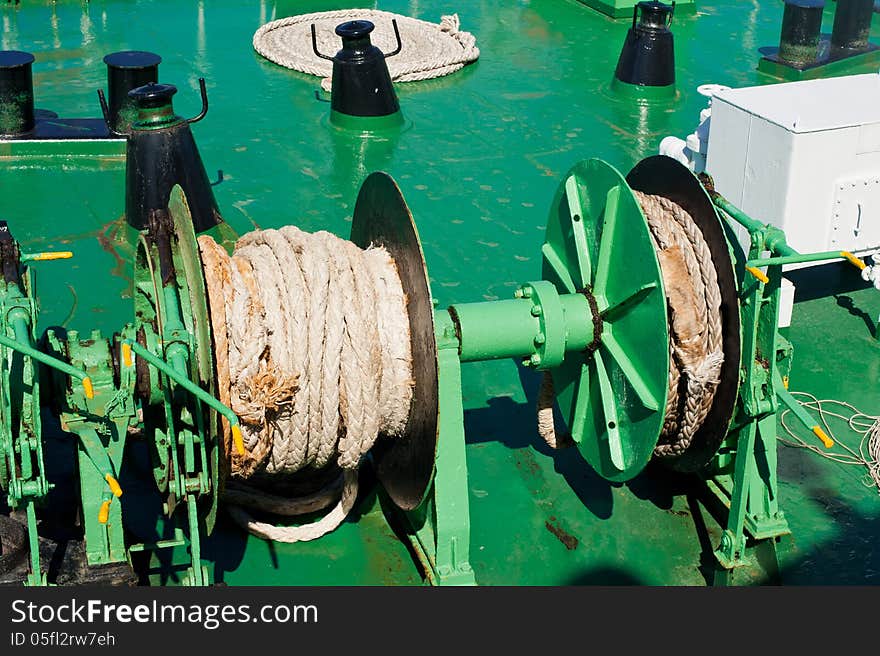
(693, 300)
(312, 350)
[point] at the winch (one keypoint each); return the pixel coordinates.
(599, 329)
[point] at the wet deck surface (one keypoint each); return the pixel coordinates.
(479, 167)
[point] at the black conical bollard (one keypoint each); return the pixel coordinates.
(16, 93)
(799, 38)
(852, 26)
(161, 153)
(648, 55)
(362, 85)
(127, 70)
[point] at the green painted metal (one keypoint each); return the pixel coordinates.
(612, 398)
(23, 469)
(751, 491)
(184, 382)
(539, 326)
(101, 425)
(441, 524)
(796, 259)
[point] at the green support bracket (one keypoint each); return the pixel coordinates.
(22, 468)
(750, 492)
(441, 524)
(100, 419)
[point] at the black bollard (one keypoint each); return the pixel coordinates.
(161, 153)
(16, 93)
(361, 82)
(127, 70)
(801, 23)
(648, 55)
(852, 26)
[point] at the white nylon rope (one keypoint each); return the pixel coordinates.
(866, 455)
(429, 50)
(312, 345)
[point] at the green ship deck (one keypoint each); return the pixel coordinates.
(478, 165)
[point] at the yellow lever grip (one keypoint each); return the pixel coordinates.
(855, 261)
(104, 512)
(238, 440)
(56, 255)
(114, 485)
(87, 388)
(827, 441)
(126, 354)
(760, 275)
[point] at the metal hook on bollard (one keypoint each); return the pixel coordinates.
(315, 45)
(105, 110)
(204, 91)
(397, 36)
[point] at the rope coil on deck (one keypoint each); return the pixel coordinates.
(312, 349)
(429, 50)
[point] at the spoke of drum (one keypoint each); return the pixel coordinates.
(582, 405)
(620, 309)
(552, 259)
(573, 196)
(606, 243)
(617, 353)
(609, 409)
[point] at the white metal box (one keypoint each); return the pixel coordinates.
(803, 156)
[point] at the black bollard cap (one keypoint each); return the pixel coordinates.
(15, 58)
(655, 14)
(132, 59)
(153, 95)
(356, 29)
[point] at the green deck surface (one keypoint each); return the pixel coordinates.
(479, 166)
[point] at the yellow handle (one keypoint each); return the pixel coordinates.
(827, 441)
(104, 512)
(855, 261)
(238, 440)
(87, 388)
(57, 255)
(114, 485)
(760, 275)
(126, 354)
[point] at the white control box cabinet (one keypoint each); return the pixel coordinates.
(803, 156)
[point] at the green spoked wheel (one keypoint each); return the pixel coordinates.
(613, 395)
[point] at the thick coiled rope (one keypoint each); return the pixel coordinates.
(693, 301)
(428, 50)
(312, 349)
